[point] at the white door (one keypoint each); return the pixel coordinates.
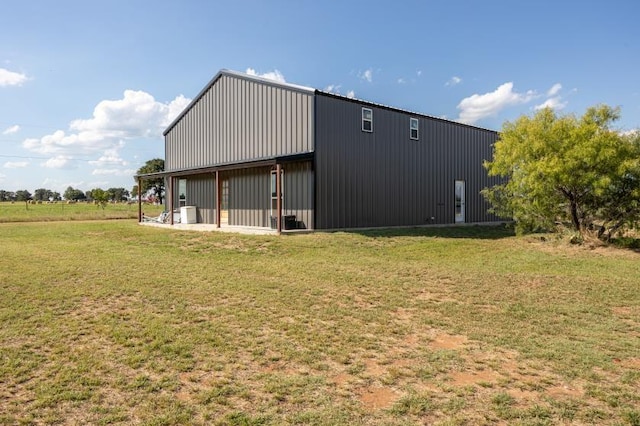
(460, 201)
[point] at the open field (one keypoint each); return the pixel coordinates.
(21, 212)
(108, 322)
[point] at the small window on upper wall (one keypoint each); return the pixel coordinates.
(367, 120)
(413, 128)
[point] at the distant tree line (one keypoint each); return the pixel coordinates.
(152, 190)
(42, 194)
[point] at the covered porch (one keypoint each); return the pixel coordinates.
(240, 195)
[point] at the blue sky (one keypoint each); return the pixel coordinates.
(87, 87)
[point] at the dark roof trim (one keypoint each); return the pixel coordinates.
(240, 75)
(390, 108)
(269, 161)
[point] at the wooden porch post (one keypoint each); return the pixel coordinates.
(218, 202)
(279, 197)
(170, 203)
(139, 200)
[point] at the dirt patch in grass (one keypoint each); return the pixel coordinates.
(447, 341)
(565, 391)
(377, 398)
(466, 378)
(633, 363)
(341, 379)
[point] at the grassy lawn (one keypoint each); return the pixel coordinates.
(108, 322)
(47, 212)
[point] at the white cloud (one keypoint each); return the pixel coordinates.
(10, 78)
(419, 73)
(110, 157)
(271, 75)
(16, 164)
(631, 132)
(554, 100)
(366, 75)
(554, 103)
(11, 130)
(137, 115)
(453, 81)
(60, 162)
(477, 107)
(554, 89)
(333, 88)
(114, 172)
(401, 80)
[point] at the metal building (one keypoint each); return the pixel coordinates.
(255, 152)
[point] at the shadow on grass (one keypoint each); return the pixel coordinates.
(481, 232)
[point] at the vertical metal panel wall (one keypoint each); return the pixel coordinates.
(298, 192)
(240, 119)
(250, 195)
(385, 178)
(201, 192)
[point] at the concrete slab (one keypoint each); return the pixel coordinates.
(204, 227)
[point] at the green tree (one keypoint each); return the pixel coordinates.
(575, 171)
(42, 194)
(155, 186)
(23, 195)
(6, 195)
(118, 194)
(74, 194)
(100, 196)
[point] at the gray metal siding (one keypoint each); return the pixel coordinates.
(249, 196)
(239, 119)
(298, 193)
(385, 178)
(201, 192)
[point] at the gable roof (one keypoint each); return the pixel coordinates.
(236, 74)
(307, 90)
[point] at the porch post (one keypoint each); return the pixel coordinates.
(170, 203)
(139, 200)
(218, 202)
(279, 197)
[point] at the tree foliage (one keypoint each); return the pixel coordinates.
(23, 195)
(74, 194)
(7, 195)
(118, 194)
(100, 196)
(154, 186)
(576, 171)
(42, 194)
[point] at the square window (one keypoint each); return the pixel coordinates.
(413, 128)
(367, 120)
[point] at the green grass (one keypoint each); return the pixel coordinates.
(61, 211)
(109, 322)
